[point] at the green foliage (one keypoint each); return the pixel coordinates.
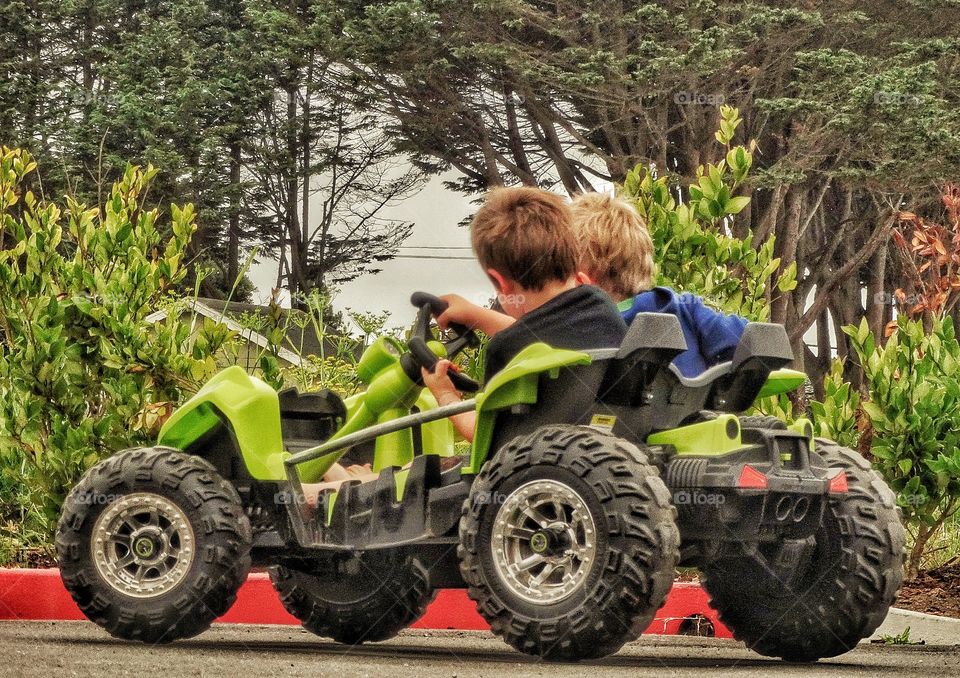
(836, 416)
(902, 638)
(914, 412)
(779, 406)
(693, 247)
(82, 372)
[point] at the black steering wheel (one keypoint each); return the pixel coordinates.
(430, 307)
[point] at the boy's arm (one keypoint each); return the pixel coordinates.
(447, 394)
(474, 317)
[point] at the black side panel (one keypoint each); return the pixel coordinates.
(568, 399)
(368, 515)
(307, 419)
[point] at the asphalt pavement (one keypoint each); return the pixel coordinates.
(58, 649)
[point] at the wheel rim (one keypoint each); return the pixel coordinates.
(543, 541)
(143, 545)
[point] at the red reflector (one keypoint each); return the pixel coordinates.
(751, 478)
(839, 482)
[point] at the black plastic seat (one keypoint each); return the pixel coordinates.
(309, 418)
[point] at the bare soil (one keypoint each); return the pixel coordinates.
(934, 592)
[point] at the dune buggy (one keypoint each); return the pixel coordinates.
(591, 476)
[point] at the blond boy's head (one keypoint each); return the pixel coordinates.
(616, 251)
(526, 235)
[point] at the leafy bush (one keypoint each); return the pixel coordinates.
(836, 416)
(693, 248)
(82, 374)
(914, 416)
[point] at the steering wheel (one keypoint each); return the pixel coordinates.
(431, 306)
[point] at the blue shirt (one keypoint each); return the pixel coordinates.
(711, 336)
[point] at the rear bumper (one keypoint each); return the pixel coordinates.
(772, 488)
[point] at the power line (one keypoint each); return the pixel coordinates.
(434, 247)
(432, 256)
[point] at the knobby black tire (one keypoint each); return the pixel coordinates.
(637, 545)
(222, 545)
(365, 597)
(845, 594)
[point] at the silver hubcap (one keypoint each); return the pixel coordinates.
(543, 541)
(143, 545)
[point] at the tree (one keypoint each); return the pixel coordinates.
(192, 87)
(323, 171)
(849, 122)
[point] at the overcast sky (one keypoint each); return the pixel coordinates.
(436, 213)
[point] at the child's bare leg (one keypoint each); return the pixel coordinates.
(334, 478)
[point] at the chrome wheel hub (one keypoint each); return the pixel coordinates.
(543, 541)
(143, 545)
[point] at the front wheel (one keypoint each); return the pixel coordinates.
(843, 592)
(568, 543)
(153, 545)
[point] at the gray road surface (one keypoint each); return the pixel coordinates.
(60, 649)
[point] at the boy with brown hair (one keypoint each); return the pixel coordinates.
(525, 241)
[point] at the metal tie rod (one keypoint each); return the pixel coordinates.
(381, 429)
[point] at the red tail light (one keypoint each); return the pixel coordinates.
(838, 483)
(751, 479)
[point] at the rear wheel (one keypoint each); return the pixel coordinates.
(153, 545)
(568, 543)
(844, 591)
(364, 597)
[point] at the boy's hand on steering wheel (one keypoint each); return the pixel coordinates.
(439, 383)
(473, 317)
(459, 311)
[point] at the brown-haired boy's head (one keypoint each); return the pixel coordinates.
(616, 251)
(524, 237)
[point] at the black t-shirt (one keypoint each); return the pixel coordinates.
(578, 319)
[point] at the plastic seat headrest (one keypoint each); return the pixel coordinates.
(658, 332)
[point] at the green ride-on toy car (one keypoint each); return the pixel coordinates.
(591, 476)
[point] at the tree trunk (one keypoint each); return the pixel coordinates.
(877, 299)
(787, 246)
(233, 237)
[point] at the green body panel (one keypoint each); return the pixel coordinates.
(248, 405)
(393, 449)
(782, 381)
(333, 500)
(400, 479)
(515, 384)
(711, 437)
(438, 436)
(804, 427)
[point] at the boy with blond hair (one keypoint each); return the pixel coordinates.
(616, 254)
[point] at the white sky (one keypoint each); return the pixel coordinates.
(436, 213)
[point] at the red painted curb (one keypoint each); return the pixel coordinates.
(40, 595)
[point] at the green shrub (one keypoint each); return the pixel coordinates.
(82, 374)
(836, 416)
(914, 415)
(693, 249)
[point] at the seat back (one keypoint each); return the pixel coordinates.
(651, 344)
(763, 348)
